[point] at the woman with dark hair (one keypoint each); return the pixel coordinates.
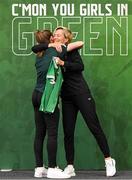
(47, 122)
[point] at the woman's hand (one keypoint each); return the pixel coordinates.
(59, 61)
(57, 46)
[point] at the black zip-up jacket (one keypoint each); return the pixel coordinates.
(74, 82)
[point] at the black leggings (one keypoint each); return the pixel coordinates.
(45, 122)
(86, 105)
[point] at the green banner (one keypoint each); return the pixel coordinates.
(105, 29)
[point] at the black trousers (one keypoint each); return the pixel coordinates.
(45, 122)
(86, 105)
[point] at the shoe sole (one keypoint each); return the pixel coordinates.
(72, 174)
(112, 174)
(44, 175)
(58, 177)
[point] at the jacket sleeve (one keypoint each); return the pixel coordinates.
(39, 47)
(73, 61)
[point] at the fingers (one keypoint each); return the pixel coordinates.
(57, 60)
(60, 62)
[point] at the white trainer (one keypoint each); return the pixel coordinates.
(70, 170)
(56, 173)
(40, 172)
(110, 165)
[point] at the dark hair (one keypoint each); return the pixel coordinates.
(42, 37)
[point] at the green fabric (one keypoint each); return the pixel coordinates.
(50, 95)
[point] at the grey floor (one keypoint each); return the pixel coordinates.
(80, 175)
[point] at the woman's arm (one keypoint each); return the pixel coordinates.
(58, 46)
(75, 45)
(40, 47)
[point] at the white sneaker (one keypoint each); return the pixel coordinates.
(70, 170)
(56, 173)
(40, 172)
(110, 167)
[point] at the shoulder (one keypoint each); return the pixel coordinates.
(73, 52)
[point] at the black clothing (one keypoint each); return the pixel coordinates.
(76, 97)
(74, 82)
(42, 65)
(39, 47)
(45, 122)
(84, 103)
